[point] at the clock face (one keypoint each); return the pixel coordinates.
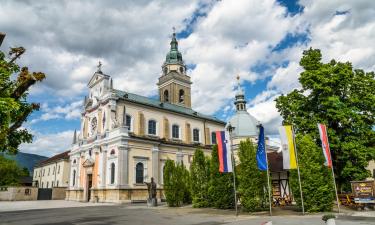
(94, 124)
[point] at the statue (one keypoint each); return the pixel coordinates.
(151, 187)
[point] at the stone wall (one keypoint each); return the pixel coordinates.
(18, 193)
(114, 195)
(58, 193)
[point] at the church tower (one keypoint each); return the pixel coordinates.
(174, 85)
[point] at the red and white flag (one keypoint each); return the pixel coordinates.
(325, 144)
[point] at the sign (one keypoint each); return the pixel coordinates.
(363, 191)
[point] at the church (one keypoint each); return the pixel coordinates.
(125, 138)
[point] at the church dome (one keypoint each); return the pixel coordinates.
(174, 56)
(245, 125)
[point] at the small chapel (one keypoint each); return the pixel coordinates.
(125, 138)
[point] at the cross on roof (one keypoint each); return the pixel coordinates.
(99, 66)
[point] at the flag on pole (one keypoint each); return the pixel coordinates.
(287, 142)
(224, 151)
(261, 151)
(325, 144)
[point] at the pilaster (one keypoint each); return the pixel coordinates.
(155, 164)
(123, 166)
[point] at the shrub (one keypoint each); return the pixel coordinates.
(200, 177)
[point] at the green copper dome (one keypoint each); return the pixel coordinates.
(174, 56)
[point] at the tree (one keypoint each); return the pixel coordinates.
(14, 108)
(200, 177)
(316, 179)
(342, 98)
(176, 184)
(252, 182)
(221, 193)
(10, 172)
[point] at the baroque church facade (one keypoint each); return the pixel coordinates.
(125, 138)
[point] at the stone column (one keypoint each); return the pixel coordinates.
(103, 167)
(123, 166)
(155, 164)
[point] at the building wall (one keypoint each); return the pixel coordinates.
(371, 168)
(54, 174)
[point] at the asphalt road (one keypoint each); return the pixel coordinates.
(141, 215)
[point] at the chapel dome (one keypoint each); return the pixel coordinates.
(245, 125)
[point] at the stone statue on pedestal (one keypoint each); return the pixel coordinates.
(151, 187)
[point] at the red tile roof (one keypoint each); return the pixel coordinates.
(58, 157)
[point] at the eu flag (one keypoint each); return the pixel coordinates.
(261, 151)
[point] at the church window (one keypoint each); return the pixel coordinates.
(112, 152)
(42, 184)
(139, 173)
(181, 69)
(213, 138)
(195, 135)
(112, 173)
(47, 185)
(166, 96)
(152, 127)
(57, 183)
(90, 152)
(74, 178)
(175, 131)
(128, 121)
(181, 96)
(165, 70)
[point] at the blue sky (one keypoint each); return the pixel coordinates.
(261, 41)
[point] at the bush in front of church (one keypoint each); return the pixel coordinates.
(252, 183)
(316, 178)
(176, 184)
(221, 192)
(200, 177)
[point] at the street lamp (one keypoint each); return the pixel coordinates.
(2, 36)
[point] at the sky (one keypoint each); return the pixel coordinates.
(260, 40)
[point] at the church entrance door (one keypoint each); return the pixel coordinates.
(89, 185)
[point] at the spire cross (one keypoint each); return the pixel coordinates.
(174, 29)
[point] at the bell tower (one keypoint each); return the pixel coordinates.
(174, 85)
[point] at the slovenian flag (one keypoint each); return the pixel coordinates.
(224, 151)
(325, 144)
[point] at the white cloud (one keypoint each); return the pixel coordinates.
(49, 144)
(69, 111)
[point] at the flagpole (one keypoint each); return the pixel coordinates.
(334, 183)
(268, 174)
(299, 175)
(230, 128)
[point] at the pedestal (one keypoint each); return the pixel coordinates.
(152, 202)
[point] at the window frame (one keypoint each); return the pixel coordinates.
(213, 134)
(178, 131)
(198, 135)
(138, 170)
(130, 128)
(112, 173)
(155, 128)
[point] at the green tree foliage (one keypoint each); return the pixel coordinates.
(252, 182)
(343, 98)
(221, 192)
(176, 184)
(10, 172)
(316, 179)
(14, 109)
(200, 177)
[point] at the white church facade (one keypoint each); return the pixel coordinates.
(125, 138)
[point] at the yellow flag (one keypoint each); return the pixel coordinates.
(287, 142)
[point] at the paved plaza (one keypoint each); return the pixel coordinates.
(139, 214)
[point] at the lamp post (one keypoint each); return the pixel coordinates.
(230, 129)
(2, 36)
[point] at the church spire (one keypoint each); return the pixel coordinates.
(240, 101)
(174, 56)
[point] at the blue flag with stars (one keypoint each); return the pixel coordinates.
(261, 151)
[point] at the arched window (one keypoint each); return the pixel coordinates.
(165, 70)
(128, 121)
(181, 69)
(213, 138)
(152, 127)
(195, 135)
(166, 96)
(139, 173)
(112, 152)
(57, 183)
(175, 131)
(112, 173)
(181, 96)
(74, 178)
